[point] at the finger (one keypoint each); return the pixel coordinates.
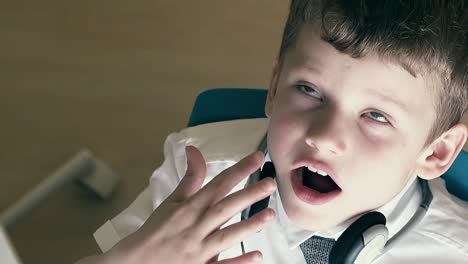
(234, 203)
(222, 184)
(250, 257)
(194, 176)
(234, 234)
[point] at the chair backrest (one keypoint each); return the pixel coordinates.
(222, 104)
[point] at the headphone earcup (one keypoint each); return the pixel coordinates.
(353, 240)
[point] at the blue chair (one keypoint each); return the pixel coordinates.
(222, 104)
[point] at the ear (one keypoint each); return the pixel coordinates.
(272, 88)
(439, 156)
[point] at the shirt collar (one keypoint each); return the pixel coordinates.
(397, 211)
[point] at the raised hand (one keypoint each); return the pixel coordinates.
(185, 228)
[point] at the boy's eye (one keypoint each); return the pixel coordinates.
(376, 116)
(309, 90)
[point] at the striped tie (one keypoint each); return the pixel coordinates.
(316, 249)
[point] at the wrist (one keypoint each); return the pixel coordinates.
(129, 250)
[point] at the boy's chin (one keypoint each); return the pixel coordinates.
(320, 220)
(315, 224)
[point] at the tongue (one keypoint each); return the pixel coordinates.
(317, 182)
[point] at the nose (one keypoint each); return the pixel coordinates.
(328, 134)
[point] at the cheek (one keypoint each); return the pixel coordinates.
(285, 131)
(381, 169)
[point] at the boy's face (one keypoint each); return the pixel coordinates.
(362, 121)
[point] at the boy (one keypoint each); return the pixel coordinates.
(366, 97)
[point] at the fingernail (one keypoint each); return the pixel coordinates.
(262, 155)
(257, 258)
(271, 186)
(258, 155)
(271, 215)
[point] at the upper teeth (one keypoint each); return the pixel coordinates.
(312, 169)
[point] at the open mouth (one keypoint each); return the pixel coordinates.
(314, 186)
(317, 182)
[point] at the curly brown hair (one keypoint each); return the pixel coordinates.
(425, 37)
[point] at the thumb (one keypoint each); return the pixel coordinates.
(194, 176)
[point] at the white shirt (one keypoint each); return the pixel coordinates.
(442, 235)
